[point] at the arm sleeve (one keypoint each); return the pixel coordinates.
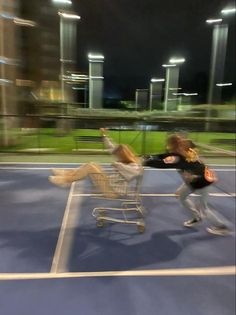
(109, 144)
(167, 160)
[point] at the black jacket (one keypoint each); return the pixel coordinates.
(195, 174)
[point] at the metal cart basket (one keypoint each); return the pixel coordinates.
(128, 200)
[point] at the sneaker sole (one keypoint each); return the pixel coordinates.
(192, 225)
(220, 233)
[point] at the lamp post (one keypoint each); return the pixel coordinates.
(218, 53)
(95, 80)
(172, 77)
(141, 99)
(67, 40)
(155, 91)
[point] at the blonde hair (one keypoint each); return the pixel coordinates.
(125, 154)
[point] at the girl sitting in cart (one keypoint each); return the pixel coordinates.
(127, 167)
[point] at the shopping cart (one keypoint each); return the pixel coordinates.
(128, 201)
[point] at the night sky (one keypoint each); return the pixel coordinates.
(138, 36)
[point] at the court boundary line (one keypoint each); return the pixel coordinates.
(202, 271)
(76, 163)
(54, 274)
(231, 195)
(58, 249)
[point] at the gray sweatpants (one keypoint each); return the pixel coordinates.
(203, 210)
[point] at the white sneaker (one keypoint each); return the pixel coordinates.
(59, 181)
(58, 171)
(192, 222)
(218, 230)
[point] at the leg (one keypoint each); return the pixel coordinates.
(101, 181)
(94, 171)
(69, 176)
(63, 172)
(216, 220)
(80, 171)
(183, 194)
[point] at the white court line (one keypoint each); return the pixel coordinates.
(26, 168)
(203, 271)
(76, 163)
(56, 262)
(160, 195)
(51, 163)
(66, 235)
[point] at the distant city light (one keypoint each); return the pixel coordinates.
(69, 16)
(224, 84)
(6, 15)
(178, 94)
(210, 21)
(8, 61)
(78, 75)
(190, 94)
(185, 94)
(23, 22)
(157, 80)
(228, 11)
(20, 82)
(5, 82)
(96, 77)
(176, 60)
(168, 65)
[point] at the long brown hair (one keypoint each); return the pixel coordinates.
(180, 145)
(125, 154)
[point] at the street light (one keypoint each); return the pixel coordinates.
(212, 21)
(224, 84)
(157, 80)
(228, 11)
(176, 60)
(168, 65)
(94, 57)
(62, 2)
(69, 16)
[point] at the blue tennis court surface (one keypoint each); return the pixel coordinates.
(54, 260)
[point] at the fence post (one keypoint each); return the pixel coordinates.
(39, 135)
(143, 147)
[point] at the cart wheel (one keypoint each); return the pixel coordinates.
(100, 223)
(141, 227)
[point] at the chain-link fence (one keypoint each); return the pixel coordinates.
(53, 134)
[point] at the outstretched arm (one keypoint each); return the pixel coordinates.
(110, 145)
(167, 160)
